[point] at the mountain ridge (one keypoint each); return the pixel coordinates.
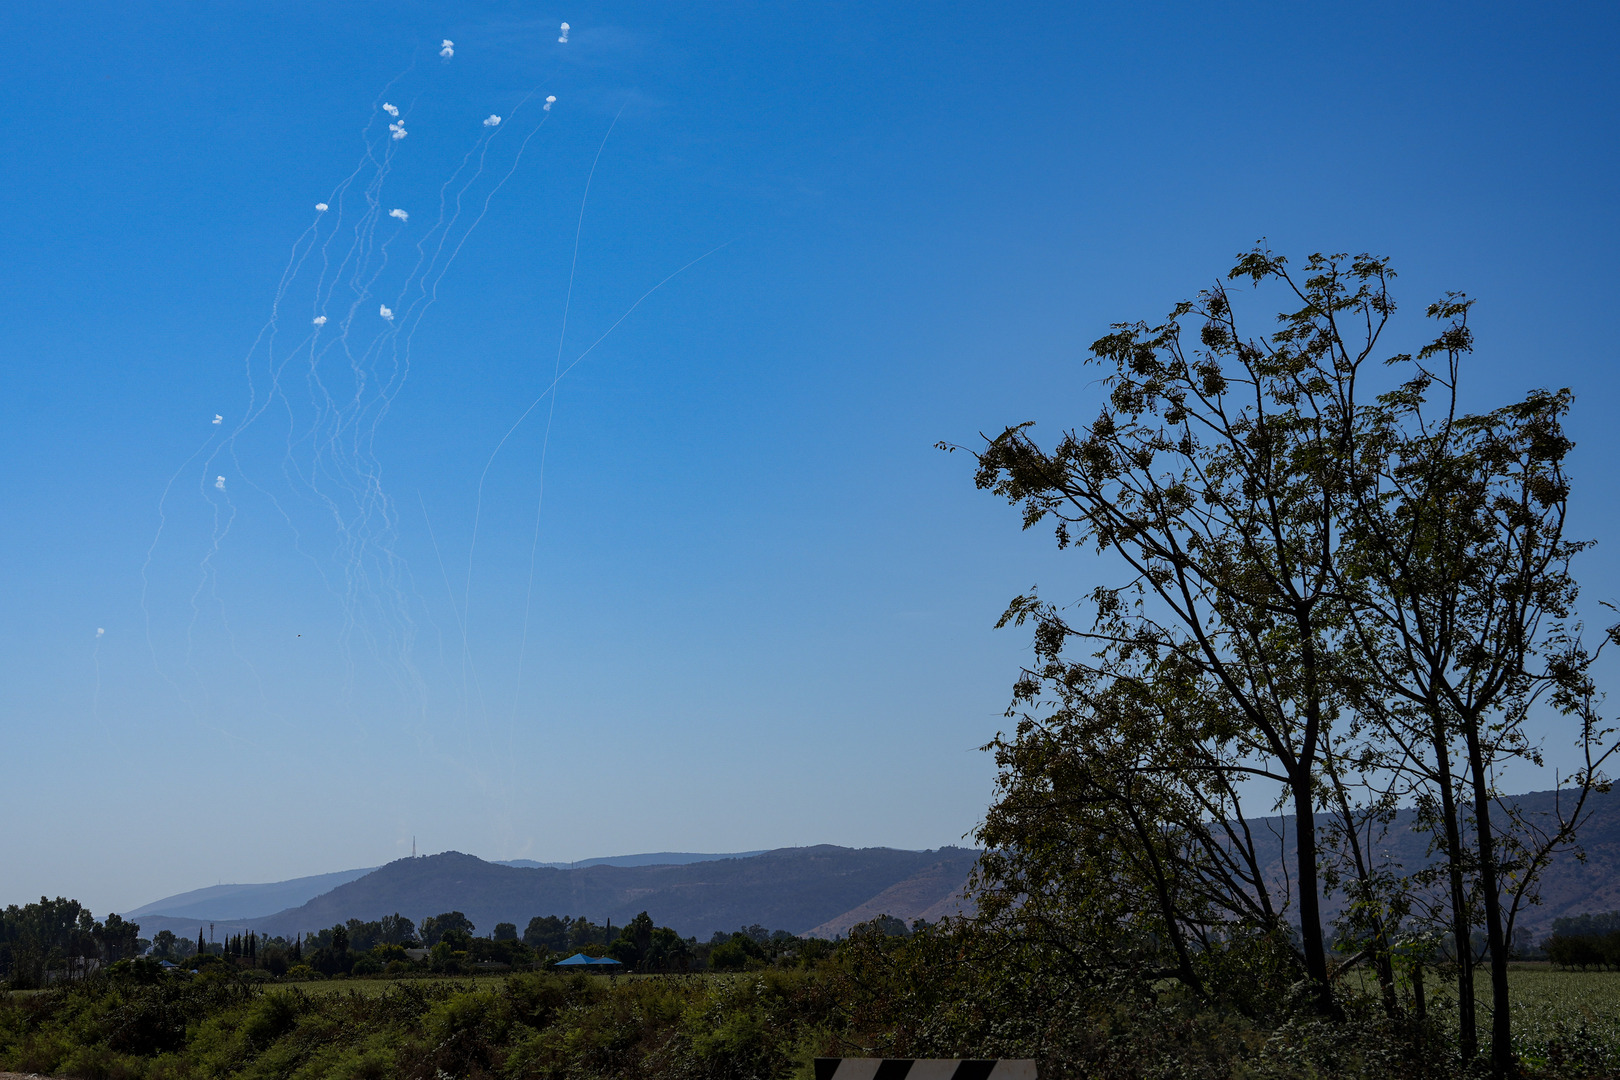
(793, 889)
(821, 890)
(235, 902)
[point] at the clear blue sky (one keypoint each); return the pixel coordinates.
(761, 604)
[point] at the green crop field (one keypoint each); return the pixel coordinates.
(377, 987)
(1577, 1010)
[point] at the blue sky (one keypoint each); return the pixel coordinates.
(758, 607)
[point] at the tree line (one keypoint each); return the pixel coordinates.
(60, 938)
(63, 937)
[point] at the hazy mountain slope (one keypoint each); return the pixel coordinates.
(650, 858)
(1567, 887)
(790, 889)
(188, 928)
(235, 903)
(246, 901)
(821, 890)
(933, 887)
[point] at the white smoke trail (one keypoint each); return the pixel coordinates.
(265, 346)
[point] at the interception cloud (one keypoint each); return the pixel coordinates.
(564, 39)
(391, 110)
(219, 482)
(492, 120)
(321, 207)
(386, 312)
(100, 631)
(396, 212)
(448, 49)
(549, 99)
(319, 320)
(218, 419)
(398, 128)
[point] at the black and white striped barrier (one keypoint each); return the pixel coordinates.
(923, 1069)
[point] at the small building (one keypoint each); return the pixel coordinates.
(601, 965)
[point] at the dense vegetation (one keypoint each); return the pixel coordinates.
(940, 991)
(62, 936)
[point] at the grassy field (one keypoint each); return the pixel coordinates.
(372, 987)
(1558, 1015)
(377, 987)
(1573, 1013)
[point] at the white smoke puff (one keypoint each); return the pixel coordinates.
(397, 212)
(447, 50)
(100, 630)
(320, 320)
(219, 482)
(564, 39)
(218, 419)
(391, 110)
(321, 207)
(549, 99)
(398, 130)
(386, 312)
(492, 120)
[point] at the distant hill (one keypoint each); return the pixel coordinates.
(235, 903)
(246, 901)
(1568, 886)
(651, 858)
(821, 891)
(794, 889)
(930, 893)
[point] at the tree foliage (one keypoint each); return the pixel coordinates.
(1327, 601)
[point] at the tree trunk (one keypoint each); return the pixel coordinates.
(1310, 903)
(1467, 1033)
(1495, 932)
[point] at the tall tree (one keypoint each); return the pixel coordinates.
(1363, 601)
(1467, 626)
(1213, 476)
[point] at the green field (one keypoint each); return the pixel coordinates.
(1579, 1010)
(377, 987)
